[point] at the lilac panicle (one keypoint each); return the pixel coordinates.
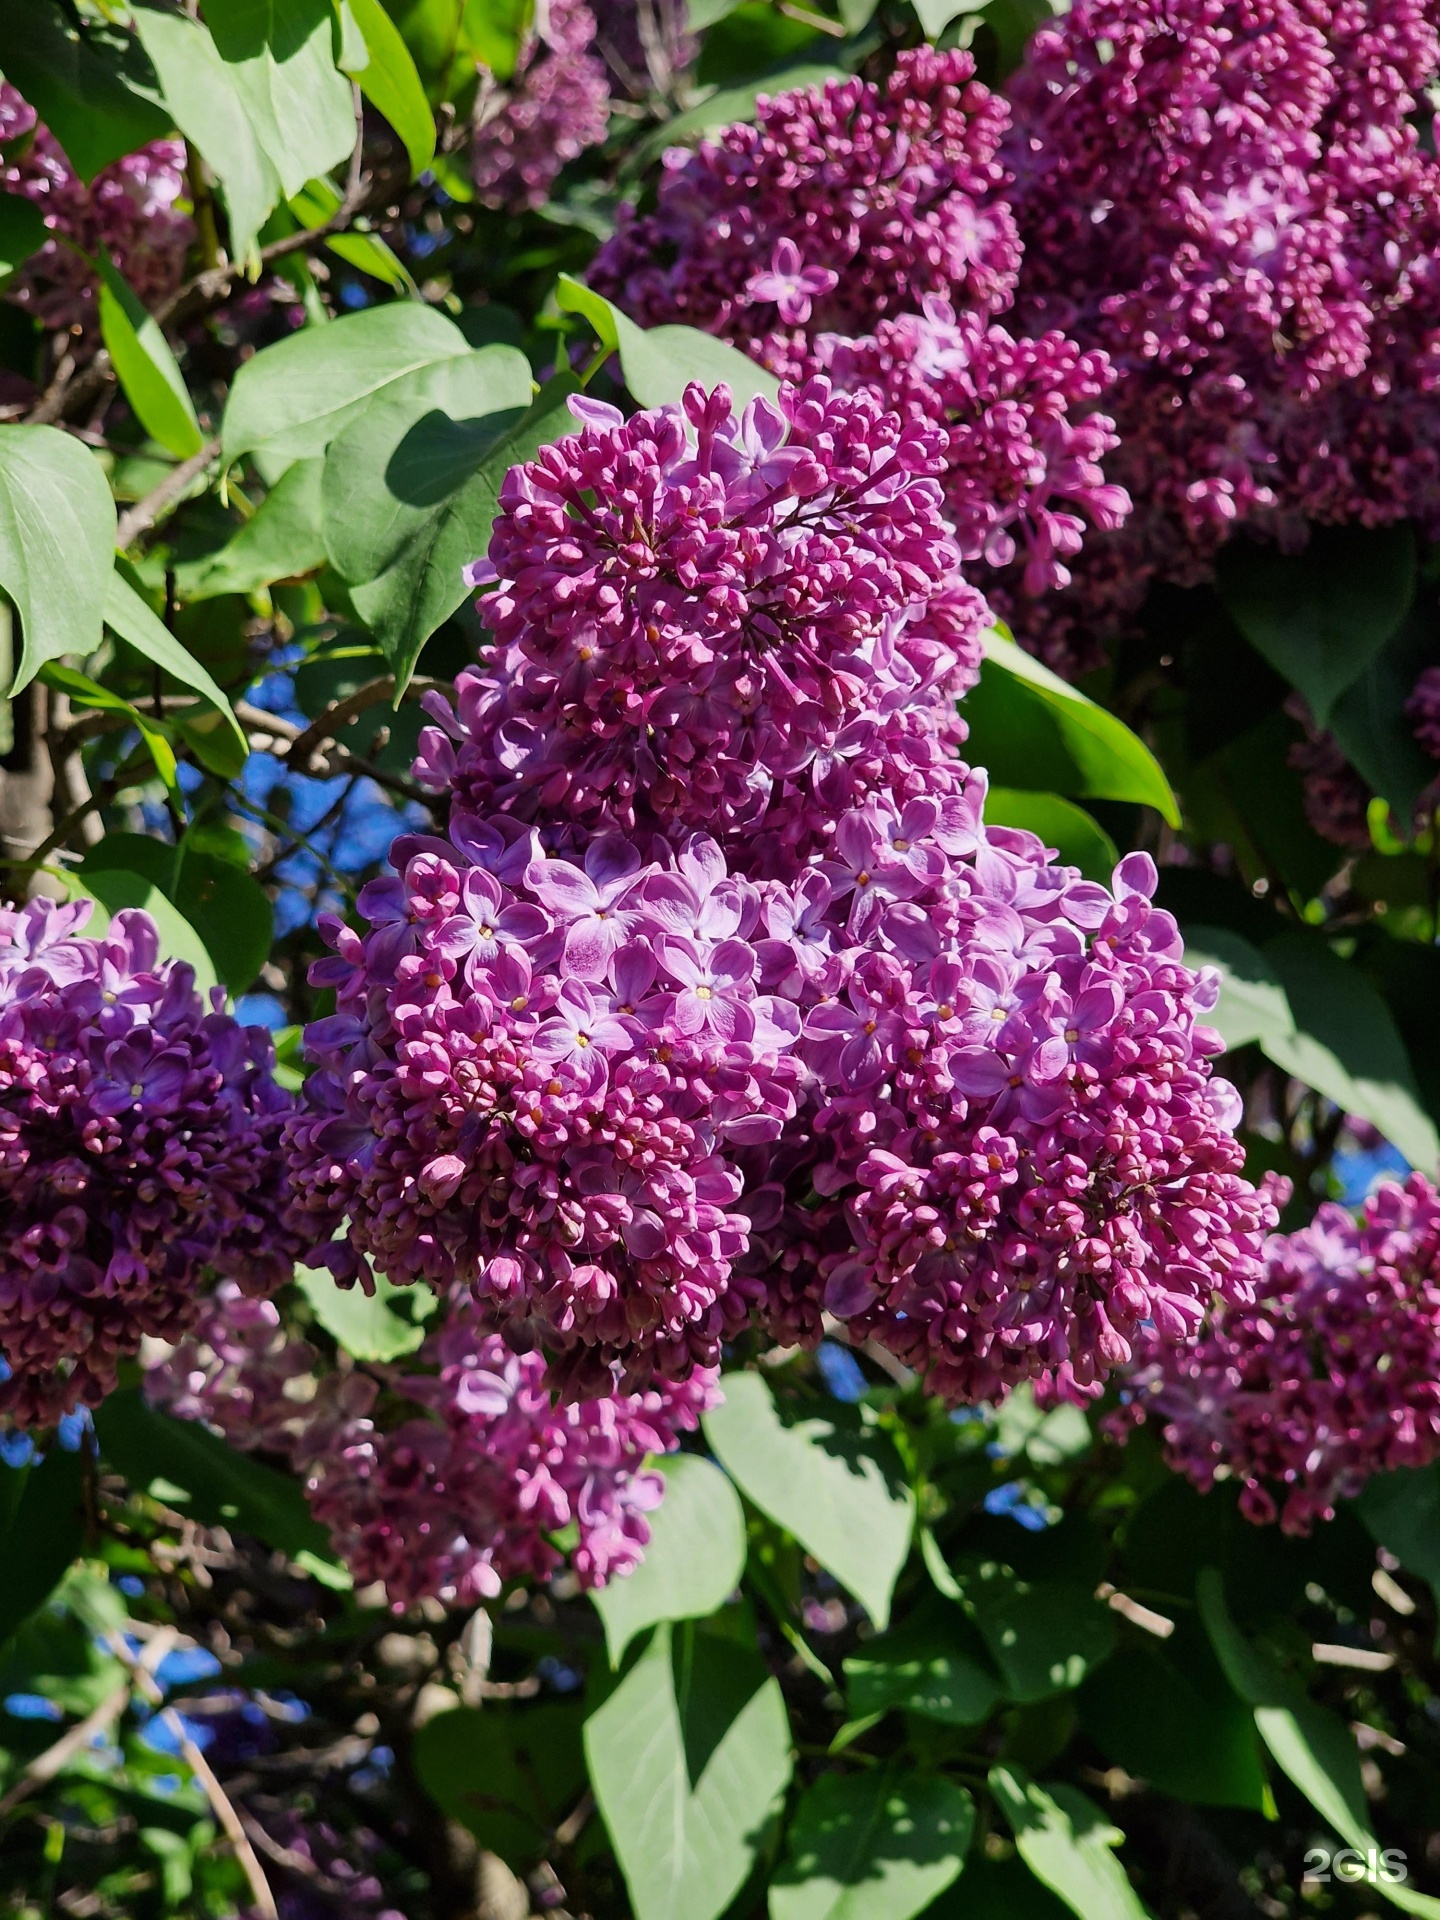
(455, 1490)
(731, 623)
(1231, 200)
(139, 1154)
(130, 208)
(1331, 1374)
(555, 106)
(839, 206)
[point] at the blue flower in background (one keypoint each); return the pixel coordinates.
(840, 1371)
(1016, 1500)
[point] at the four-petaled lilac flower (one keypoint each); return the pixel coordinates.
(792, 286)
(590, 903)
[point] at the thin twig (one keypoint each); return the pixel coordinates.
(146, 512)
(225, 1813)
(74, 1740)
(327, 725)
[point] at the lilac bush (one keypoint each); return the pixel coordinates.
(140, 1135)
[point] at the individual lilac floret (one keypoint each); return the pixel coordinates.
(1012, 1154)
(139, 1154)
(741, 624)
(453, 1488)
(131, 208)
(840, 205)
(1231, 199)
(1330, 1376)
(539, 1075)
(556, 105)
(1022, 475)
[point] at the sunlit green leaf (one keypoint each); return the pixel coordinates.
(872, 1846)
(694, 1560)
(57, 536)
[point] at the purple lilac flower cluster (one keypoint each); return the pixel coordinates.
(140, 1139)
(1022, 474)
(1331, 1375)
(629, 1085)
(734, 623)
(866, 233)
(536, 1084)
(456, 1490)
(321, 1872)
(1231, 199)
(555, 106)
(841, 205)
(131, 208)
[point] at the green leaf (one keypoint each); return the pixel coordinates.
(1253, 1003)
(410, 451)
(281, 63)
(1031, 730)
(694, 1560)
(86, 693)
(116, 888)
(319, 201)
(57, 534)
(659, 364)
(228, 910)
(507, 1774)
(935, 1665)
(45, 1532)
(1346, 1044)
(833, 1483)
(1368, 720)
(1045, 1436)
(872, 1846)
(728, 105)
(1402, 1511)
(391, 84)
(1319, 617)
(689, 1759)
(22, 231)
(210, 1482)
(704, 13)
(201, 93)
(1043, 1635)
(1311, 1745)
(443, 481)
(1175, 1725)
(145, 366)
(224, 747)
(292, 399)
(935, 15)
(1079, 840)
(380, 1326)
(281, 540)
(80, 84)
(1068, 1844)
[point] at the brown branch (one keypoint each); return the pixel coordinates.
(225, 1813)
(144, 514)
(326, 726)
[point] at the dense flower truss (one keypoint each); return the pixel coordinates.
(1022, 473)
(139, 1154)
(841, 205)
(131, 208)
(1230, 199)
(931, 1081)
(473, 1467)
(555, 106)
(1015, 1155)
(535, 1086)
(740, 624)
(1331, 1375)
